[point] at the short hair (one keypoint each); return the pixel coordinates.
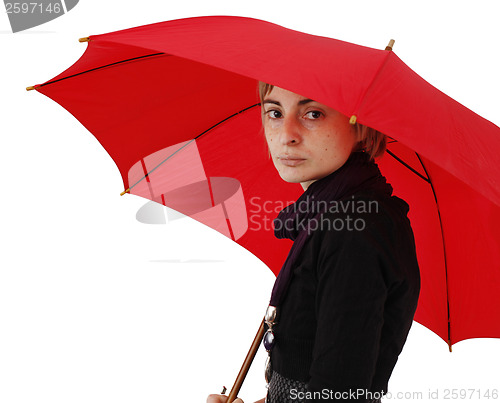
(370, 140)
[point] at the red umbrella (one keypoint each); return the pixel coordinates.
(175, 104)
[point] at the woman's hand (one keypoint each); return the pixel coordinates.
(221, 399)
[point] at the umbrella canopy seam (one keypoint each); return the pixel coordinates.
(361, 101)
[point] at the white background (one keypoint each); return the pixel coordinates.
(95, 306)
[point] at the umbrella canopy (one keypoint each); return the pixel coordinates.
(176, 106)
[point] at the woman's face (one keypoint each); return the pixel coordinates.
(307, 140)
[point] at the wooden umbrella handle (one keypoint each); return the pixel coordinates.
(246, 364)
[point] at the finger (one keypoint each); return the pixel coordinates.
(216, 398)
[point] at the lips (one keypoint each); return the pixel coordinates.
(290, 160)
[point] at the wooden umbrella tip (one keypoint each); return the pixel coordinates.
(353, 119)
(30, 88)
(125, 191)
(86, 39)
(390, 45)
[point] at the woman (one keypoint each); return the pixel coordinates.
(348, 290)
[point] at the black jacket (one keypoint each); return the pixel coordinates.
(350, 304)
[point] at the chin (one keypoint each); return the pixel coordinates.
(290, 178)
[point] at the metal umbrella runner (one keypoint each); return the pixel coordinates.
(175, 105)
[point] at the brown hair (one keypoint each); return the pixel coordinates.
(370, 140)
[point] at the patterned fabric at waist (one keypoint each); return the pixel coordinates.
(285, 390)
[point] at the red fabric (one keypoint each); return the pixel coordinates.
(183, 77)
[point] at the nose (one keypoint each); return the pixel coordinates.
(290, 133)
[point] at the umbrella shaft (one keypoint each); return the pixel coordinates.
(246, 364)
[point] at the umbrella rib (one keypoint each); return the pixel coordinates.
(409, 167)
(101, 67)
(428, 180)
(189, 142)
(369, 86)
(444, 250)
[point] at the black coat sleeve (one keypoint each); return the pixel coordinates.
(353, 275)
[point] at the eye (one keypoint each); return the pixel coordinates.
(314, 114)
(274, 114)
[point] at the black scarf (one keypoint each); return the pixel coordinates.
(297, 220)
